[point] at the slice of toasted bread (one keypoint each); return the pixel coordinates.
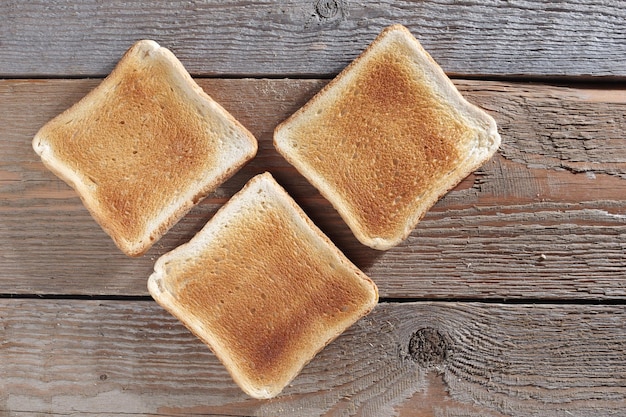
(387, 138)
(262, 287)
(144, 147)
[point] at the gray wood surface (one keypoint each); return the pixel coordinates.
(63, 38)
(544, 219)
(509, 299)
(97, 358)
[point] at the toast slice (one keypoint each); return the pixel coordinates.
(387, 138)
(144, 147)
(262, 287)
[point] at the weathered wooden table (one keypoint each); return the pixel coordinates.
(507, 300)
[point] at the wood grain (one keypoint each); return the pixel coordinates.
(544, 219)
(531, 247)
(526, 38)
(405, 359)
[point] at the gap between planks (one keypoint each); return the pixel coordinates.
(382, 300)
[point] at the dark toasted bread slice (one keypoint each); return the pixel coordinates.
(144, 147)
(387, 138)
(262, 287)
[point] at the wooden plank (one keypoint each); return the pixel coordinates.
(546, 218)
(406, 359)
(517, 38)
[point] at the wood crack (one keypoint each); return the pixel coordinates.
(556, 128)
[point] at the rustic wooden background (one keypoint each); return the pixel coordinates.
(507, 300)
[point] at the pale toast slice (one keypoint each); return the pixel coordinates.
(144, 147)
(387, 138)
(263, 287)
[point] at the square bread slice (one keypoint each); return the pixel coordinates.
(263, 287)
(144, 147)
(387, 138)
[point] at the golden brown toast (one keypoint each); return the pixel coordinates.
(262, 287)
(144, 147)
(387, 138)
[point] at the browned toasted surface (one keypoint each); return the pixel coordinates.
(139, 143)
(391, 135)
(133, 152)
(385, 138)
(270, 289)
(273, 294)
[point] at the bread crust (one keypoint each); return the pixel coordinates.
(144, 147)
(263, 287)
(387, 138)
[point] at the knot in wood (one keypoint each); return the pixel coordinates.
(429, 347)
(327, 9)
